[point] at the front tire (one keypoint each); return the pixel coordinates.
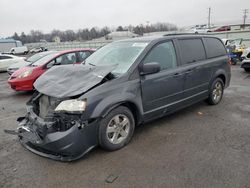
(116, 129)
(216, 92)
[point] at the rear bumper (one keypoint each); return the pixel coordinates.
(63, 146)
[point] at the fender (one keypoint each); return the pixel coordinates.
(218, 73)
(111, 102)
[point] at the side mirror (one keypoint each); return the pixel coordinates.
(57, 63)
(50, 64)
(150, 68)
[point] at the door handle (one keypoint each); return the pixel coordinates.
(177, 74)
(190, 70)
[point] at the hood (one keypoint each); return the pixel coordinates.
(19, 65)
(70, 80)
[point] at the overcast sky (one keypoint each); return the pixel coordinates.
(46, 15)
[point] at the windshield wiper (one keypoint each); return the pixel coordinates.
(91, 64)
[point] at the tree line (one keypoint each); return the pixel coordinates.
(89, 34)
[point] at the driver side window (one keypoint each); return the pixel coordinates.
(65, 59)
(164, 54)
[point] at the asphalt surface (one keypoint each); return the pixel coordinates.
(200, 146)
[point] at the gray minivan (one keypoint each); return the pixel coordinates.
(121, 85)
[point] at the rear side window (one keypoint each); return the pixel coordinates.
(192, 50)
(214, 47)
(164, 54)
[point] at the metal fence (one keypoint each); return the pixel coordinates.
(245, 35)
(68, 45)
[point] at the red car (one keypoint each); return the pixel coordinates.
(223, 28)
(23, 79)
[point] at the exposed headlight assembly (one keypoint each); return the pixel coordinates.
(25, 73)
(73, 105)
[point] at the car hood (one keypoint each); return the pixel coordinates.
(19, 65)
(70, 80)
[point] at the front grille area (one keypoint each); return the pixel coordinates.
(46, 106)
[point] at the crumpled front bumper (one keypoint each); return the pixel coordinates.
(68, 145)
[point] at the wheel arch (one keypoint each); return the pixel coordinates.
(219, 74)
(130, 105)
(223, 77)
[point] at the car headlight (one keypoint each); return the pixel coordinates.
(25, 73)
(73, 105)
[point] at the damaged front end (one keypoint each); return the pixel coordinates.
(55, 134)
(56, 124)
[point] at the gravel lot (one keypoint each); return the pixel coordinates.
(200, 146)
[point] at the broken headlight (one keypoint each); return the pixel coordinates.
(73, 105)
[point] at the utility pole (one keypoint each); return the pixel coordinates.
(209, 18)
(245, 11)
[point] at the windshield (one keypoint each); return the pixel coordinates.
(235, 42)
(121, 54)
(35, 57)
(44, 59)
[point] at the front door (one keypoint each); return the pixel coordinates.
(162, 90)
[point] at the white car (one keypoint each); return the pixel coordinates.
(19, 50)
(6, 60)
(246, 54)
(37, 50)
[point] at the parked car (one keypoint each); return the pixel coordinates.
(37, 50)
(11, 69)
(245, 54)
(221, 28)
(6, 60)
(123, 84)
(235, 48)
(23, 79)
(246, 60)
(19, 50)
(199, 29)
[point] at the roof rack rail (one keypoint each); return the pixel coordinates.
(172, 34)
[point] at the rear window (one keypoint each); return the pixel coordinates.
(214, 47)
(192, 50)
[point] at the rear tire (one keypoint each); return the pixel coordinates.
(216, 92)
(116, 129)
